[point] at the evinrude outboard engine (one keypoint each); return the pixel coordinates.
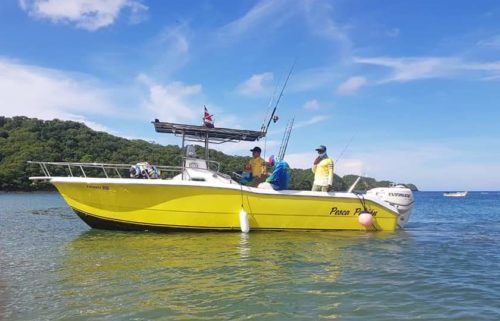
(398, 196)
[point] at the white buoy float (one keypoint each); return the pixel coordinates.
(244, 225)
(365, 219)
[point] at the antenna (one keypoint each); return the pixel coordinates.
(286, 138)
(278, 100)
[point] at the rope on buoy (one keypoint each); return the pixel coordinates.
(365, 218)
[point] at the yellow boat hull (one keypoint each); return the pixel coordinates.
(139, 206)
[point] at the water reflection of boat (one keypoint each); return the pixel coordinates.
(200, 197)
(196, 275)
(455, 194)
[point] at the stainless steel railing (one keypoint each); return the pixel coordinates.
(75, 169)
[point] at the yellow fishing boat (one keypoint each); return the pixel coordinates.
(200, 197)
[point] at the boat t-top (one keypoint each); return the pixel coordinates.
(197, 196)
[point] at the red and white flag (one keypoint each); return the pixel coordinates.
(207, 118)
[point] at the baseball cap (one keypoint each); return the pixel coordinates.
(321, 148)
(256, 149)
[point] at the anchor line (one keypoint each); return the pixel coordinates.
(241, 193)
(362, 200)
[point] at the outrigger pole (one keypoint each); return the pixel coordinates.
(286, 138)
(279, 98)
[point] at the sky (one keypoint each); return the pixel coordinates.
(406, 91)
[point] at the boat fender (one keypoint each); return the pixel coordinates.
(244, 225)
(365, 219)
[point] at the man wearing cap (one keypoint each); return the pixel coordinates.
(323, 171)
(257, 166)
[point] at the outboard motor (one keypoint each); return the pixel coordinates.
(398, 196)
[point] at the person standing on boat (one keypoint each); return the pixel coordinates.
(323, 171)
(257, 165)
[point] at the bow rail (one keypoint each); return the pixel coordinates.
(75, 169)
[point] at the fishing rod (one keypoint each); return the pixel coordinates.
(353, 185)
(345, 148)
(269, 105)
(275, 118)
(286, 138)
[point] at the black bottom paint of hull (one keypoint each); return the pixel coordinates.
(103, 224)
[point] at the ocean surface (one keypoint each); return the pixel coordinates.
(444, 266)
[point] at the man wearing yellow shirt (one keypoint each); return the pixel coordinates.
(323, 171)
(257, 166)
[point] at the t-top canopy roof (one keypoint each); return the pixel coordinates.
(203, 133)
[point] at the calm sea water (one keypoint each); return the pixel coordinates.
(444, 266)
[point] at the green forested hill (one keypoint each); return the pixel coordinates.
(23, 139)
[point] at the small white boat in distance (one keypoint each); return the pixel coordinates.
(455, 194)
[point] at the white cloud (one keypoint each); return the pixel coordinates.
(414, 68)
(91, 124)
(492, 42)
(301, 124)
(318, 15)
(493, 67)
(86, 14)
(314, 120)
(265, 13)
(169, 50)
(492, 77)
(345, 166)
(256, 85)
(314, 105)
(351, 85)
(228, 121)
(400, 164)
(46, 94)
(313, 78)
(174, 102)
(350, 167)
(430, 166)
(301, 160)
(393, 33)
(440, 164)
(174, 39)
(311, 105)
(407, 69)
